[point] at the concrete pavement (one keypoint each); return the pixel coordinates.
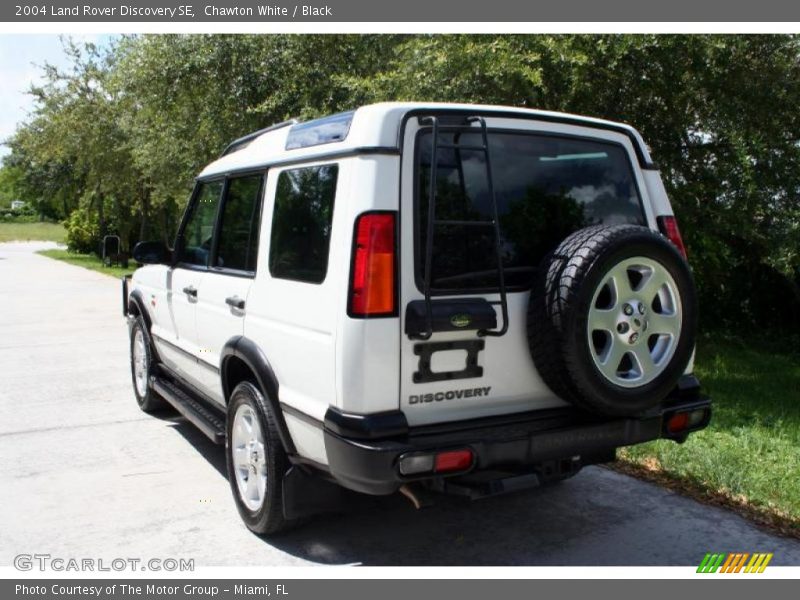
(83, 473)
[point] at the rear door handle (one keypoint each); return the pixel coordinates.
(235, 302)
(190, 290)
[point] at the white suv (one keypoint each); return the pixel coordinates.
(419, 297)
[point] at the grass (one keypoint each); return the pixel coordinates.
(749, 457)
(12, 232)
(87, 261)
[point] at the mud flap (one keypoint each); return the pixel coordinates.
(306, 494)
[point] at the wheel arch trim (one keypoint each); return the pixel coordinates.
(253, 357)
(136, 298)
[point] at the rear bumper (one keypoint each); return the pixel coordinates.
(364, 451)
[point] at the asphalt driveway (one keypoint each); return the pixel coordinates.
(83, 473)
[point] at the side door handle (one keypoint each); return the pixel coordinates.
(235, 302)
(190, 290)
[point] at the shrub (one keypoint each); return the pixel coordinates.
(13, 217)
(83, 231)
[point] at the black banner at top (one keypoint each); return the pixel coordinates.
(178, 11)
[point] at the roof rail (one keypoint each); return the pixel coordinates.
(244, 140)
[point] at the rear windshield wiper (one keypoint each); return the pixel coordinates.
(478, 274)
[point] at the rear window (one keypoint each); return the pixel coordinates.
(546, 186)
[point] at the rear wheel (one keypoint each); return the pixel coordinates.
(256, 460)
(612, 318)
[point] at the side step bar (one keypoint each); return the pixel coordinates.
(206, 419)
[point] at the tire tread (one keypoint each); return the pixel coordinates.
(555, 297)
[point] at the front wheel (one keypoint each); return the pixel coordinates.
(256, 461)
(141, 368)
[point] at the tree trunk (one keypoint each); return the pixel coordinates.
(145, 208)
(101, 215)
(123, 224)
(164, 223)
(101, 218)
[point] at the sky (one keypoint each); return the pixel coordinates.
(20, 57)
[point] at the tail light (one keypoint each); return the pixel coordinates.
(668, 225)
(453, 460)
(373, 283)
(445, 461)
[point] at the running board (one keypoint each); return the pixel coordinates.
(196, 412)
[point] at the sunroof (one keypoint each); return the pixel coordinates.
(320, 131)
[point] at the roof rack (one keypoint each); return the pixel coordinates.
(239, 143)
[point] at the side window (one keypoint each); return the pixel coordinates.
(195, 244)
(301, 223)
(238, 234)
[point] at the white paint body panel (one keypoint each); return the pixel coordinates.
(368, 350)
(320, 356)
(216, 323)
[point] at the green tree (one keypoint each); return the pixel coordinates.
(73, 151)
(719, 112)
(123, 131)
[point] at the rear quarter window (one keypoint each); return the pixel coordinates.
(301, 223)
(547, 186)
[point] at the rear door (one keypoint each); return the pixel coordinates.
(549, 180)
(225, 286)
(291, 312)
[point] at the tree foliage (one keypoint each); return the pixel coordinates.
(124, 131)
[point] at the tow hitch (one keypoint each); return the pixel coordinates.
(485, 484)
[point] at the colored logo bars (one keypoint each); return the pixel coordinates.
(734, 562)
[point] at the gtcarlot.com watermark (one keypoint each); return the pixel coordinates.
(48, 562)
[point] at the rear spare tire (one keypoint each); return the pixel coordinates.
(612, 319)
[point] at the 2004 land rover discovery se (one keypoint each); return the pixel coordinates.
(410, 297)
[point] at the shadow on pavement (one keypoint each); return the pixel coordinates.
(387, 530)
(599, 517)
